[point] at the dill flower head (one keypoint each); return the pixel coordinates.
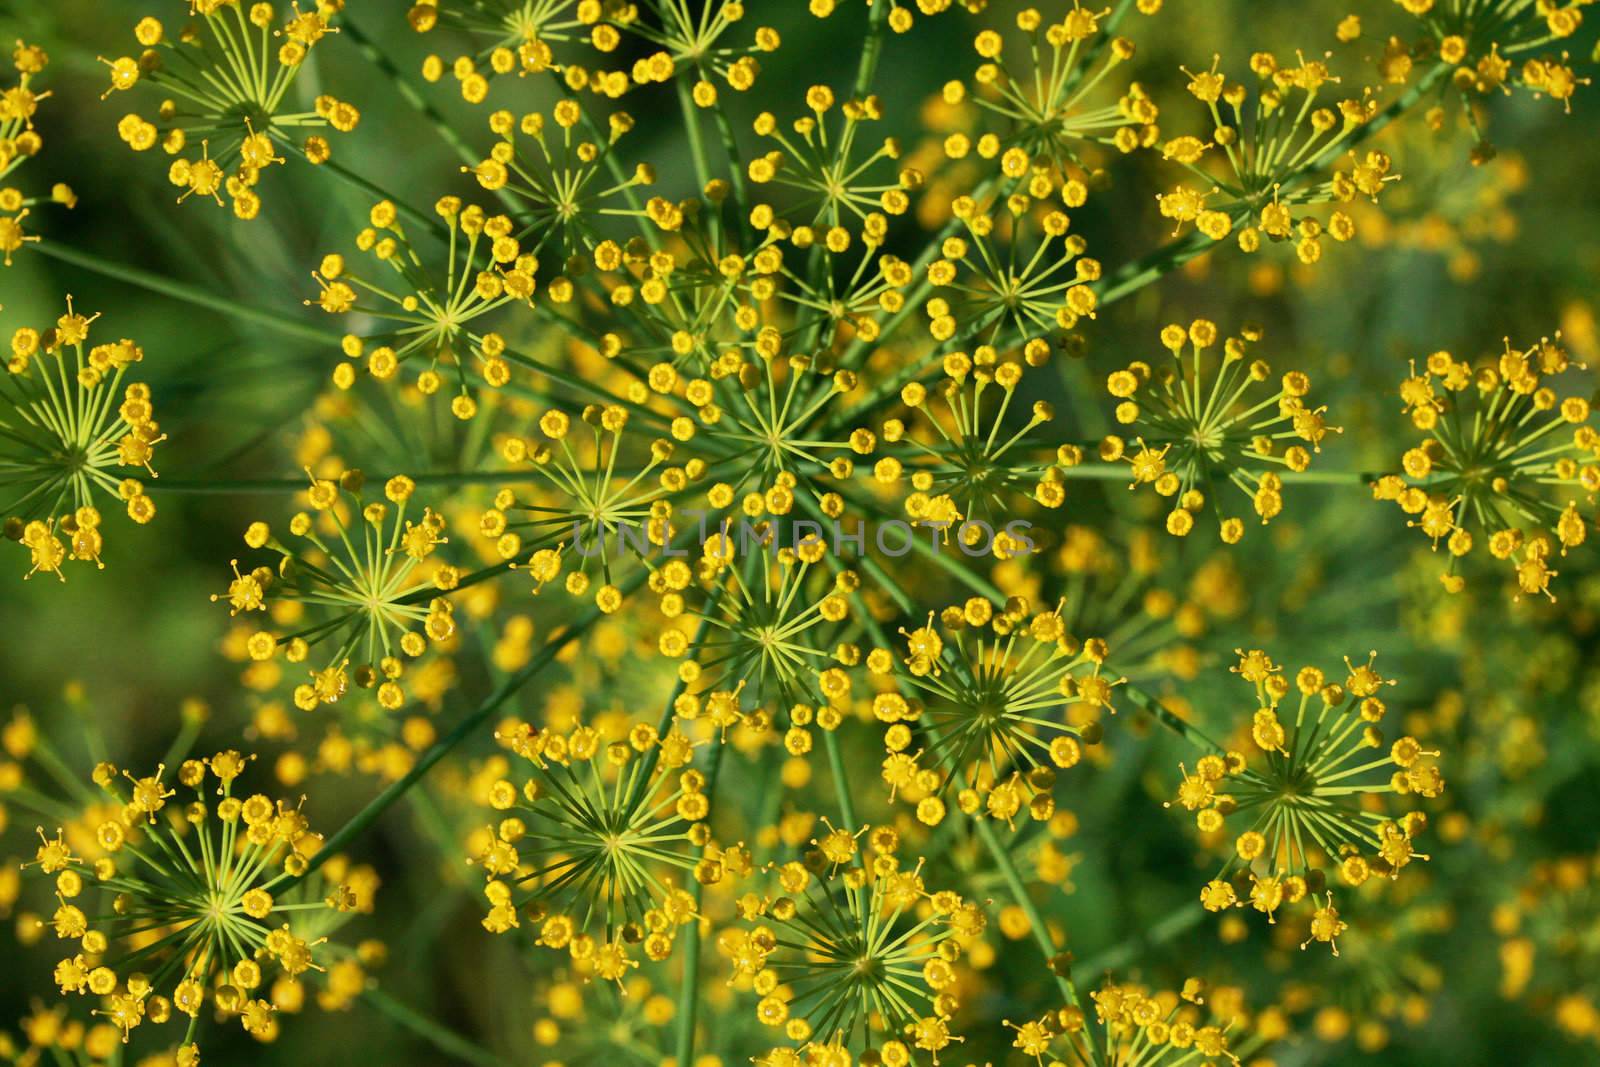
(774, 625)
(994, 686)
(599, 502)
(832, 174)
(1152, 1028)
(68, 428)
(359, 580)
(1197, 436)
(1484, 44)
(1275, 161)
(700, 41)
(855, 952)
(967, 466)
(226, 78)
(19, 143)
(523, 37)
(602, 837)
(510, 35)
(1039, 90)
(1310, 789)
(772, 430)
(556, 173)
(988, 281)
(852, 296)
(776, 288)
(36, 754)
(191, 912)
(431, 318)
(1506, 464)
(708, 344)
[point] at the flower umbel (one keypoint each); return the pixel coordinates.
(67, 427)
(1197, 437)
(226, 80)
(191, 913)
(1305, 792)
(359, 577)
(1507, 459)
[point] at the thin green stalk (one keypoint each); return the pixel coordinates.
(243, 486)
(841, 789)
(412, 96)
(1131, 277)
(1130, 950)
(1041, 933)
(432, 223)
(407, 91)
(189, 294)
(1397, 107)
(691, 125)
(1163, 715)
(441, 1038)
(730, 148)
(871, 48)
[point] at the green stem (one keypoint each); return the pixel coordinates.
(407, 91)
(730, 148)
(445, 1040)
(1129, 950)
(691, 124)
(1041, 933)
(1131, 277)
(871, 48)
(432, 223)
(410, 94)
(1163, 715)
(841, 788)
(189, 294)
(195, 486)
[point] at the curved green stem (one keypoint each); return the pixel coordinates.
(871, 48)
(1163, 715)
